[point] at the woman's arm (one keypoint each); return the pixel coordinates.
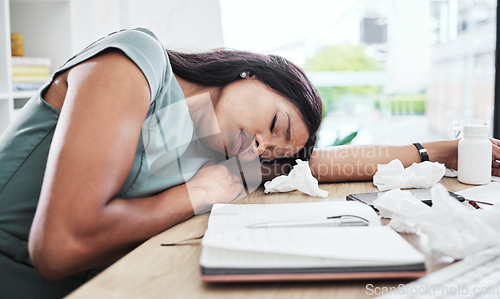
(79, 223)
(359, 163)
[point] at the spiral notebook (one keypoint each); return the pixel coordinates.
(237, 248)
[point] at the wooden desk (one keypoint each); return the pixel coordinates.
(155, 271)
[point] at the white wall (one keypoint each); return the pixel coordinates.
(45, 27)
(462, 81)
(189, 25)
(180, 24)
(408, 46)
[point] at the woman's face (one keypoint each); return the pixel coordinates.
(254, 120)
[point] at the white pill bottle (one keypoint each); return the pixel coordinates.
(474, 155)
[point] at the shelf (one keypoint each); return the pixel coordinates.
(23, 94)
(46, 26)
(19, 103)
(38, 1)
(4, 96)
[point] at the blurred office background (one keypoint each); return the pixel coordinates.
(397, 71)
(394, 71)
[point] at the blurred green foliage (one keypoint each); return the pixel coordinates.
(408, 103)
(346, 140)
(342, 58)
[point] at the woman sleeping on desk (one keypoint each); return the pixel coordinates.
(120, 145)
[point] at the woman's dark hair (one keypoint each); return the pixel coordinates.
(222, 66)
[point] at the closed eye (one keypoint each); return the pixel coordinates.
(273, 123)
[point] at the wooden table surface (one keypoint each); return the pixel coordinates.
(155, 271)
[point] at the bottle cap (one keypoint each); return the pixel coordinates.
(476, 130)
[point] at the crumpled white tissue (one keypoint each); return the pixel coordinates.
(451, 228)
(401, 207)
(419, 175)
(451, 173)
(300, 178)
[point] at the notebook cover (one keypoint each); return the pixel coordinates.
(339, 273)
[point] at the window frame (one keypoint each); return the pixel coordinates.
(496, 104)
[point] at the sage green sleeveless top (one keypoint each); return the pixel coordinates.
(166, 136)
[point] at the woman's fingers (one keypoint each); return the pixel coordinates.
(495, 141)
(495, 156)
(208, 164)
(496, 152)
(218, 185)
(236, 178)
(237, 184)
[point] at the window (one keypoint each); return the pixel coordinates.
(393, 71)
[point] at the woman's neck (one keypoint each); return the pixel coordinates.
(201, 101)
(191, 89)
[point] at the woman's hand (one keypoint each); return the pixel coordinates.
(495, 164)
(213, 184)
(447, 152)
(444, 152)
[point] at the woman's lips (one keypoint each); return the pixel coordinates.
(241, 143)
(237, 143)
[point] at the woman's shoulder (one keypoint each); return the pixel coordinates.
(140, 31)
(137, 43)
(141, 46)
(137, 37)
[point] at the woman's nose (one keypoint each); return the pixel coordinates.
(259, 145)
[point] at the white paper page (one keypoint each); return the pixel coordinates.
(488, 193)
(228, 228)
(225, 216)
(349, 243)
(228, 258)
